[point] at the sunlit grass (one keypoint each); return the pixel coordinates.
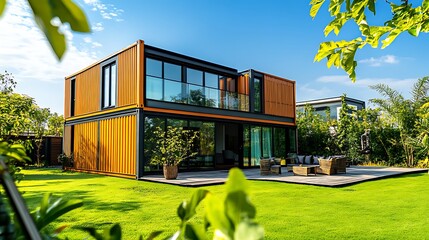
(385, 209)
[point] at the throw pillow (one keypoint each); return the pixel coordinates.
(315, 160)
(301, 159)
(307, 159)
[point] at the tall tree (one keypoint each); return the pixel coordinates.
(39, 127)
(55, 125)
(404, 18)
(404, 112)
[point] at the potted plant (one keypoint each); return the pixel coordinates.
(173, 146)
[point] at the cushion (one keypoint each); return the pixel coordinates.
(307, 159)
(315, 160)
(301, 159)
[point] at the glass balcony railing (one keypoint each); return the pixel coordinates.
(178, 92)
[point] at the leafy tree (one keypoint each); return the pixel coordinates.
(173, 145)
(404, 113)
(39, 121)
(15, 109)
(66, 11)
(55, 125)
(405, 18)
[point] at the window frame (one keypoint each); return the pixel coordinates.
(108, 64)
(72, 96)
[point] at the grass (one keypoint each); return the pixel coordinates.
(394, 208)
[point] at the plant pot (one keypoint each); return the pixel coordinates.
(170, 171)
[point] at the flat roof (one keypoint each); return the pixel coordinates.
(328, 100)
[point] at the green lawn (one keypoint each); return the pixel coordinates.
(394, 208)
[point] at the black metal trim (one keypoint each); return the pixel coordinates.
(72, 96)
(161, 54)
(104, 116)
(225, 112)
(140, 144)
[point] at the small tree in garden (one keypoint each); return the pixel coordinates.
(39, 121)
(173, 146)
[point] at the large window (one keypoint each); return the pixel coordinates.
(109, 85)
(181, 84)
(204, 143)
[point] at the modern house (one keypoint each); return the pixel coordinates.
(113, 106)
(332, 104)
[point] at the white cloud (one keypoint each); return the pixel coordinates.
(309, 92)
(98, 27)
(339, 84)
(107, 11)
(92, 42)
(383, 60)
(25, 52)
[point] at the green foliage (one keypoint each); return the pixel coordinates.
(313, 132)
(341, 53)
(13, 155)
(231, 218)
(111, 233)
(173, 145)
(55, 125)
(65, 160)
(66, 11)
(39, 120)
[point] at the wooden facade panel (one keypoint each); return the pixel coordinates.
(88, 91)
(67, 98)
(67, 140)
(279, 96)
(127, 77)
(85, 145)
(118, 145)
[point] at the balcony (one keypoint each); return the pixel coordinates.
(186, 93)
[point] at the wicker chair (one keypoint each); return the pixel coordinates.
(327, 166)
(341, 164)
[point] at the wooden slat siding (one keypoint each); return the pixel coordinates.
(88, 91)
(67, 98)
(127, 77)
(67, 140)
(85, 145)
(279, 95)
(140, 73)
(118, 145)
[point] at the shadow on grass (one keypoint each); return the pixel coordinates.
(89, 201)
(50, 176)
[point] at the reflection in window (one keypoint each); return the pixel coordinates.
(266, 142)
(153, 67)
(154, 88)
(172, 72)
(211, 80)
(196, 95)
(150, 125)
(173, 92)
(109, 85)
(257, 94)
(279, 142)
(194, 76)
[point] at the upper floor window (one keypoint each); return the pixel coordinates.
(72, 96)
(109, 85)
(257, 93)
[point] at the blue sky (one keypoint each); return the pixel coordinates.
(274, 36)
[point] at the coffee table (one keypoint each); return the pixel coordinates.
(305, 170)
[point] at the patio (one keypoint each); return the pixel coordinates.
(355, 174)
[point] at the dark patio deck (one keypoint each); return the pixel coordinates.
(354, 175)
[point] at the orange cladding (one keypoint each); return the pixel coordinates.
(67, 98)
(88, 91)
(67, 140)
(127, 77)
(118, 145)
(279, 95)
(85, 145)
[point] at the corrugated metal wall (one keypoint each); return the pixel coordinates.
(67, 140)
(279, 95)
(127, 77)
(88, 91)
(67, 98)
(118, 145)
(85, 145)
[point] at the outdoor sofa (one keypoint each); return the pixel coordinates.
(329, 165)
